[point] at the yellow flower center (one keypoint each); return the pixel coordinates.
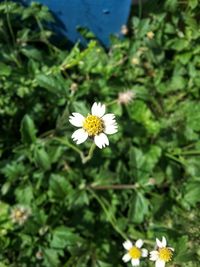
(135, 253)
(165, 254)
(93, 125)
(18, 214)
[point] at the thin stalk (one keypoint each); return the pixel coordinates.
(140, 9)
(174, 158)
(84, 159)
(111, 219)
(9, 23)
(65, 142)
(188, 153)
(45, 40)
(47, 133)
(112, 102)
(112, 187)
(90, 154)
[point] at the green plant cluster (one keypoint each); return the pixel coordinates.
(146, 184)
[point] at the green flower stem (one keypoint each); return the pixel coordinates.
(175, 158)
(110, 217)
(67, 143)
(90, 154)
(48, 133)
(84, 158)
(111, 103)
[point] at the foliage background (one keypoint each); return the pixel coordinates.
(155, 153)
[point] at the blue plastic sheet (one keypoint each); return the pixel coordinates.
(102, 17)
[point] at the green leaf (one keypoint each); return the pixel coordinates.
(5, 70)
(143, 115)
(192, 193)
(51, 257)
(80, 107)
(182, 252)
(178, 44)
(138, 208)
(64, 236)
(177, 83)
(192, 112)
(24, 195)
(28, 130)
(76, 56)
(59, 186)
(41, 158)
(142, 164)
(184, 57)
(32, 53)
(193, 3)
(14, 170)
(5, 222)
(103, 264)
(55, 84)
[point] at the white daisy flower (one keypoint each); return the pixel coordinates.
(163, 253)
(135, 252)
(20, 214)
(96, 125)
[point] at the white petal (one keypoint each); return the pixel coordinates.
(135, 262)
(164, 241)
(159, 243)
(98, 109)
(172, 249)
(126, 257)
(127, 245)
(79, 136)
(154, 255)
(110, 129)
(101, 140)
(160, 263)
(109, 118)
(139, 243)
(76, 119)
(144, 252)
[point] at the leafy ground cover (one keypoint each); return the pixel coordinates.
(61, 208)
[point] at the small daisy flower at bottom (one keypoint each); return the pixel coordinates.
(96, 125)
(163, 254)
(134, 252)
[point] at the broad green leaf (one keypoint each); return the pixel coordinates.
(142, 164)
(193, 3)
(143, 115)
(5, 70)
(41, 158)
(138, 208)
(31, 52)
(28, 130)
(51, 257)
(53, 83)
(24, 195)
(64, 236)
(59, 186)
(192, 193)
